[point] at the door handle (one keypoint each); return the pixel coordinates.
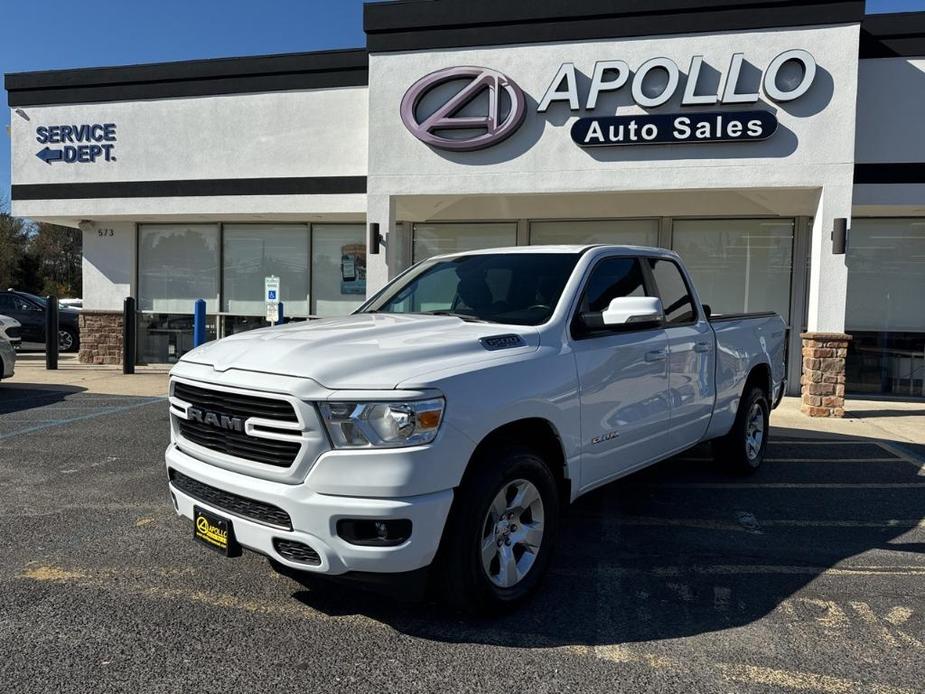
(702, 347)
(656, 355)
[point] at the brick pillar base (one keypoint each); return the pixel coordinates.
(823, 380)
(100, 337)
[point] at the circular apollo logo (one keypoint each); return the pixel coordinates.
(506, 108)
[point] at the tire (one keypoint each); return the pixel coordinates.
(742, 449)
(67, 340)
(496, 548)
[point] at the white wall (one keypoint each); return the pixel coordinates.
(891, 101)
(294, 133)
(108, 265)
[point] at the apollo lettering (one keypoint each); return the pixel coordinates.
(612, 75)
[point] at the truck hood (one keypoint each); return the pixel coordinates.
(366, 350)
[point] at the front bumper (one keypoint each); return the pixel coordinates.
(314, 520)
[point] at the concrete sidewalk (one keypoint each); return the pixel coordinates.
(890, 421)
(76, 377)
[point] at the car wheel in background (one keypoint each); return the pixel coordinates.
(67, 340)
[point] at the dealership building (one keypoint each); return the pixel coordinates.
(777, 146)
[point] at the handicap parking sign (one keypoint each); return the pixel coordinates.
(271, 295)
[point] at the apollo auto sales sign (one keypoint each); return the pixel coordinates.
(454, 123)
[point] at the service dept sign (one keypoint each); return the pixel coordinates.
(652, 84)
(77, 143)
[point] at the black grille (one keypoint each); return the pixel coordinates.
(235, 443)
(296, 551)
(232, 503)
(278, 453)
(235, 404)
(14, 333)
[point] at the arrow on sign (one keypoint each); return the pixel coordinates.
(48, 155)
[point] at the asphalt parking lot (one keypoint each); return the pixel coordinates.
(809, 576)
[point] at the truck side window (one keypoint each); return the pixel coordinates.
(676, 297)
(610, 279)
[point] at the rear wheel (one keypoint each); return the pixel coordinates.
(743, 448)
(500, 535)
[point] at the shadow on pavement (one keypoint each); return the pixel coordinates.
(19, 397)
(684, 548)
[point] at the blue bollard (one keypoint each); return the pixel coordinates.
(280, 314)
(199, 322)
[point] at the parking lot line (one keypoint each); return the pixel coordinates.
(750, 674)
(82, 418)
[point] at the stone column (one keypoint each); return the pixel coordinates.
(100, 337)
(823, 381)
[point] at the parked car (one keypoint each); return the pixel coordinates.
(29, 310)
(444, 425)
(10, 330)
(7, 358)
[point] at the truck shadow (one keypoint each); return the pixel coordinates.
(685, 548)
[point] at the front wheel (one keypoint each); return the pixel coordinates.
(743, 448)
(67, 340)
(500, 535)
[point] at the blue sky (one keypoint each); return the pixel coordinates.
(62, 33)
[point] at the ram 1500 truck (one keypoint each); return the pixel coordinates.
(442, 428)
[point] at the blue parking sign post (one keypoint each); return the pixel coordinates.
(271, 295)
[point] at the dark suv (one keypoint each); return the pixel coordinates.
(29, 310)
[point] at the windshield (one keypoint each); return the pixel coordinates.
(517, 288)
(37, 299)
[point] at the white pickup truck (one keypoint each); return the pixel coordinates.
(441, 429)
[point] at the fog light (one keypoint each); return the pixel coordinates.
(374, 533)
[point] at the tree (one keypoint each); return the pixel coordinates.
(38, 257)
(14, 234)
(56, 254)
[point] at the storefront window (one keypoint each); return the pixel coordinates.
(627, 232)
(338, 268)
(738, 265)
(436, 239)
(885, 313)
(252, 252)
(177, 264)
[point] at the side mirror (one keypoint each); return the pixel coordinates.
(633, 311)
(625, 312)
(707, 311)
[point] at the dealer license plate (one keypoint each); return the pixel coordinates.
(214, 532)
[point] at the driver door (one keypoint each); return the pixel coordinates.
(623, 379)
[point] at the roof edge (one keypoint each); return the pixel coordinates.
(186, 78)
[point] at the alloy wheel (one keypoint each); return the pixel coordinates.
(512, 533)
(754, 431)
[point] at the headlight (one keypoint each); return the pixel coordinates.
(382, 424)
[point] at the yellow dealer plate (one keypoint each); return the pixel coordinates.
(214, 532)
